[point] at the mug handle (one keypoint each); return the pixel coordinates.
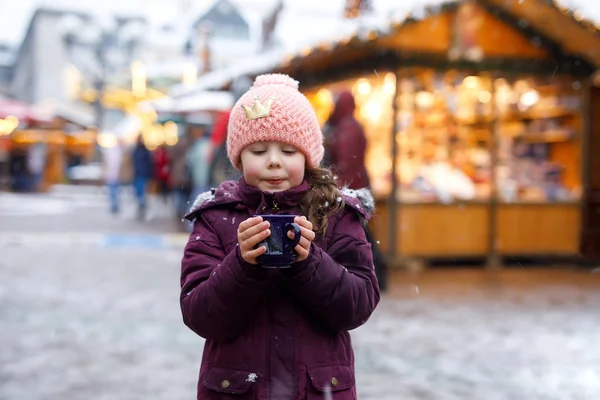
(297, 234)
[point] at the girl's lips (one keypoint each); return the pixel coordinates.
(275, 181)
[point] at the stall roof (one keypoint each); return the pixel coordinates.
(21, 110)
(334, 30)
(197, 101)
(568, 29)
(220, 78)
(77, 114)
(205, 101)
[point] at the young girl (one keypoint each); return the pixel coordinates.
(278, 334)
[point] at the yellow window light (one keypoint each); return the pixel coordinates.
(389, 83)
(363, 86)
(107, 140)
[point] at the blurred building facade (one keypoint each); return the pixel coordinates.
(53, 64)
(7, 56)
(40, 61)
(211, 35)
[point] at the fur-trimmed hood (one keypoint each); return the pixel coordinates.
(364, 197)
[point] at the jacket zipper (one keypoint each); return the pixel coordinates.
(274, 207)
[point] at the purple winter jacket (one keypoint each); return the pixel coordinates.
(279, 334)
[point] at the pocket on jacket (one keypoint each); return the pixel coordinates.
(339, 379)
(227, 383)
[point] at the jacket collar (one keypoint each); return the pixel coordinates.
(255, 199)
(242, 195)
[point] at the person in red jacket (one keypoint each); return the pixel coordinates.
(162, 171)
(220, 167)
(347, 144)
(346, 147)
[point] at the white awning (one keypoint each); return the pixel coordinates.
(205, 101)
(198, 101)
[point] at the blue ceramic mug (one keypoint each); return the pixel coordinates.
(280, 248)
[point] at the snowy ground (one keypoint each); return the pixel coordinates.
(107, 323)
(87, 320)
(491, 336)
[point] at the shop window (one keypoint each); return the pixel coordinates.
(444, 136)
(467, 136)
(449, 124)
(539, 139)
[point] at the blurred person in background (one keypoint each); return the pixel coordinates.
(36, 163)
(162, 171)
(181, 178)
(198, 157)
(220, 166)
(346, 145)
(18, 170)
(113, 159)
(142, 173)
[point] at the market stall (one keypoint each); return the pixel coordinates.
(476, 114)
(177, 116)
(16, 116)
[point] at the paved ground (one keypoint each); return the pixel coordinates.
(95, 321)
(83, 209)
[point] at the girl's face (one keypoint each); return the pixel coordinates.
(272, 166)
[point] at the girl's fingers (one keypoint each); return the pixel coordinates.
(305, 243)
(250, 222)
(302, 253)
(307, 236)
(252, 254)
(304, 223)
(253, 231)
(256, 239)
(308, 233)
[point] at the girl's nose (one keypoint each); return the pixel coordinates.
(274, 161)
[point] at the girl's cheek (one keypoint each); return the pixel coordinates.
(298, 170)
(251, 169)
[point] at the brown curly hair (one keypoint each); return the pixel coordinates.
(323, 199)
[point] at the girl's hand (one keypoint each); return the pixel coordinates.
(303, 247)
(250, 233)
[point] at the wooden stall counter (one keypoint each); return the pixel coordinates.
(435, 230)
(538, 229)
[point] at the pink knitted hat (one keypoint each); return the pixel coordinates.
(273, 110)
